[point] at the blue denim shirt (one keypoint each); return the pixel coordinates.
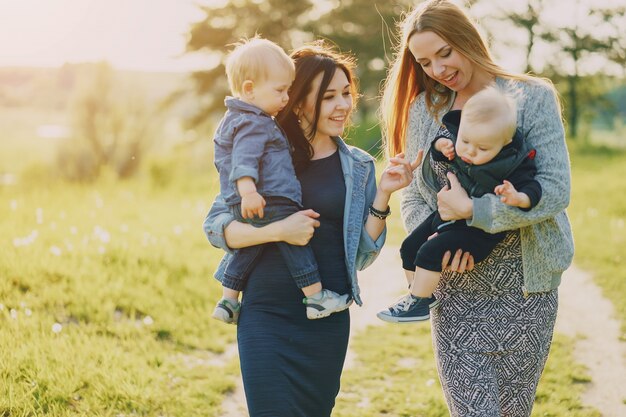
(361, 250)
(249, 143)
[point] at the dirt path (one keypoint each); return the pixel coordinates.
(583, 313)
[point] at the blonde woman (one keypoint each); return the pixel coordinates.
(493, 325)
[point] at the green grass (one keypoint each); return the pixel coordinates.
(105, 296)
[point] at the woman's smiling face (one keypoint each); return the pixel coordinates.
(335, 108)
(440, 61)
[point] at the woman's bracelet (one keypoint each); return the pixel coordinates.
(382, 215)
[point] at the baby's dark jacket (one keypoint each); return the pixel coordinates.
(515, 163)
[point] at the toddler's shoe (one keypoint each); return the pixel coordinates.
(408, 309)
(227, 311)
(325, 304)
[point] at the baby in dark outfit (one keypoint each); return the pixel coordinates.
(487, 155)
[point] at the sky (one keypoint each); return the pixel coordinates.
(150, 35)
(130, 34)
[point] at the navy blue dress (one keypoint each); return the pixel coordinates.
(291, 366)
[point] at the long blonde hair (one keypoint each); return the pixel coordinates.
(406, 78)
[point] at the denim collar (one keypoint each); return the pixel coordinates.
(236, 104)
(357, 156)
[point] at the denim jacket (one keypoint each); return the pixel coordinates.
(249, 143)
(361, 250)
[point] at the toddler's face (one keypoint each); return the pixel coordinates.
(271, 94)
(477, 145)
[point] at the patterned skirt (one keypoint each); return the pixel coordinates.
(491, 342)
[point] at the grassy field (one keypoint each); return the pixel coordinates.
(105, 297)
(106, 290)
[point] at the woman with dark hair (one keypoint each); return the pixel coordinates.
(493, 325)
(292, 366)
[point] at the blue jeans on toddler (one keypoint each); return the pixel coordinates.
(300, 260)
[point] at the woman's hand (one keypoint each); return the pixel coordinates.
(460, 263)
(298, 228)
(399, 173)
(453, 203)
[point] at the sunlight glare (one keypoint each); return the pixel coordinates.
(140, 34)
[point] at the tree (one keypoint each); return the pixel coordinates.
(529, 20)
(577, 44)
(366, 29)
(616, 20)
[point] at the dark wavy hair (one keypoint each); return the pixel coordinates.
(310, 60)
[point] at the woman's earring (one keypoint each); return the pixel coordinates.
(296, 111)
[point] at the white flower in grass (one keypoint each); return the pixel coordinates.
(13, 314)
(430, 382)
(13, 205)
(103, 235)
(68, 246)
(592, 212)
(56, 328)
(62, 215)
(55, 250)
(178, 230)
(124, 228)
(28, 312)
(148, 321)
(102, 250)
(99, 201)
(1, 307)
(53, 226)
(25, 241)
(74, 230)
(39, 215)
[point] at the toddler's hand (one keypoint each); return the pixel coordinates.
(446, 147)
(252, 204)
(510, 196)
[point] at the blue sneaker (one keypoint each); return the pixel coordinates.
(408, 309)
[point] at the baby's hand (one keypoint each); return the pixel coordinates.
(446, 147)
(510, 196)
(252, 204)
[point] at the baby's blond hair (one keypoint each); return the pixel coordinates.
(252, 59)
(494, 107)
